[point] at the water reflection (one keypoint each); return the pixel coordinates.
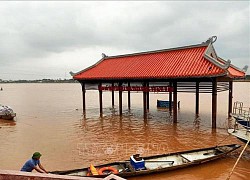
(6, 123)
(231, 122)
(197, 121)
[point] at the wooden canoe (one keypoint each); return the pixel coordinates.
(158, 163)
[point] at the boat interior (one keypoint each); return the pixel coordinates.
(157, 162)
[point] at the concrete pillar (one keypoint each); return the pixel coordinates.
(129, 103)
(144, 100)
(113, 96)
(147, 96)
(197, 98)
(175, 103)
(83, 98)
(230, 98)
(120, 99)
(100, 99)
(170, 98)
(214, 102)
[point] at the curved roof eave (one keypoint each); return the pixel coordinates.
(160, 78)
(233, 66)
(90, 67)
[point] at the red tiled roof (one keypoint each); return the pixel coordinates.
(185, 62)
(234, 73)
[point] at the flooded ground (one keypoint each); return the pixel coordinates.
(50, 120)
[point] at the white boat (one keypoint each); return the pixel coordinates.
(6, 112)
(242, 134)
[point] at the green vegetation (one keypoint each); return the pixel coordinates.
(247, 79)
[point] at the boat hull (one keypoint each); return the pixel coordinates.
(244, 122)
(242, 134)
(8, 116)
(160, 163)
(6, 113)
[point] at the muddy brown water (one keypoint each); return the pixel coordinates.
(50, 120)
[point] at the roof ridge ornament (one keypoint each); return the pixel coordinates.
(212, 59)
(244, 69)
(211, 39)
(104, 56)
(72, 74)
(227, 64)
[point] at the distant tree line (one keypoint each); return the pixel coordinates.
(247, 79)
(69, 80)
(40, 81)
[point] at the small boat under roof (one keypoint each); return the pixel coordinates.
(153, 164)
(166, 104)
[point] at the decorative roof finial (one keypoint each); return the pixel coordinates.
(211, 39)
(245, 68)
(227, 64)
(104, 55)
(71, 73)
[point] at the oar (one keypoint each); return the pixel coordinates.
(230, 174)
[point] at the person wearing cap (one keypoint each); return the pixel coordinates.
(32, 164)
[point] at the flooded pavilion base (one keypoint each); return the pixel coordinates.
(50, 120)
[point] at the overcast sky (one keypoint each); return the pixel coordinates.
(49, 39)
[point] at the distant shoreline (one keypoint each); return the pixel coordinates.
(247, 80)
(40, 81)
(67, 81)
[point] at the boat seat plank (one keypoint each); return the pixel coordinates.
(158, 164)
(185, 158)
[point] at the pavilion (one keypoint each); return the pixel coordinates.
(194, 69)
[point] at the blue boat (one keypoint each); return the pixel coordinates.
(243, 122)
(166, 104)
(241, 114)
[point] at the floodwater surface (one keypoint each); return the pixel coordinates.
(50, 120)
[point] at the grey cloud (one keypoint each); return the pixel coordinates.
(31, 31)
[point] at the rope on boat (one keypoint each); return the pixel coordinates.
(230, 174)
(223, 139)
